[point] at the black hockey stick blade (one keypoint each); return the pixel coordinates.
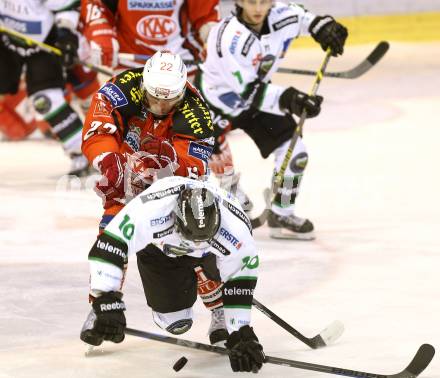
(421, 360)
(419, 363)
(327, 336)
(374, 57)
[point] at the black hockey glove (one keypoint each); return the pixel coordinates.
(294, 101)
(329, 33)
(67, 42)
(106, 321)
(245, 352)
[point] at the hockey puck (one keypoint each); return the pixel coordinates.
(180, 363)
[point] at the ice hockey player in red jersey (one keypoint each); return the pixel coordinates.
(147, 26)
(145, 123)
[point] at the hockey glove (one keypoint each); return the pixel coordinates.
(67, 42)
(104, 46)
(329, 33)
(161, 151)
(245, 352)
(294, 101)
(106, 321)
(111, 185)
(157, 158)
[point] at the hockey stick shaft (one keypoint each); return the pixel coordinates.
(419, 363)
(299, 126)
(377, 54)
(51, 49)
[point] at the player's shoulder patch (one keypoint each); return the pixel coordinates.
(114, 94)
(192, 118)
(162, 193)
(220, 34)
(238, 213)
(248, 44)
(278, 25)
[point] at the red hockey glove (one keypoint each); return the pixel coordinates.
(160, 152)
(111, 186)
(104, 46)
(157, 158)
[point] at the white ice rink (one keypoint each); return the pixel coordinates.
(372, 190)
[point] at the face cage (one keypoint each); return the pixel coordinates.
(144, 99)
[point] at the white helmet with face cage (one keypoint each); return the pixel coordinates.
(164, 76)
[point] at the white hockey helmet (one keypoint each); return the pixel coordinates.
(164, 76)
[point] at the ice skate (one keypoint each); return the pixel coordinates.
(290, 227)
(217, 330)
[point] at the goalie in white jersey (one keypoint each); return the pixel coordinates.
(244, 50)
(176, 224)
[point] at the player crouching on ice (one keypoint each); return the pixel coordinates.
(176, 224)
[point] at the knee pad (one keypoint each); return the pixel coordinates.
(177, 322)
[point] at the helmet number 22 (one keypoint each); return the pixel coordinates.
(165, 66)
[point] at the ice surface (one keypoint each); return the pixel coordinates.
(372, 190)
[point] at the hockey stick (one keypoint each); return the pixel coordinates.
(419, 363)
(324, 338)
(50, 49)
(260, 220)
(377, 54)
(364, 66)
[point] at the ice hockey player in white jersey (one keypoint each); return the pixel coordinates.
(53, 22)
(176, 224)
(244, 50)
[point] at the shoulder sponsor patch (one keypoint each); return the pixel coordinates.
(114, 94)
(219, 247)
(161, 234)
(239, 214)
(199, 151)
(284, 22)
(218, 44)
(248, 44)
(162, 193)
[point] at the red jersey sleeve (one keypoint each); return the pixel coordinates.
(201, 12)
(93, 13)
(100, 134)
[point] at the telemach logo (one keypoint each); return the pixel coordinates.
(106, 246)
(238, 291)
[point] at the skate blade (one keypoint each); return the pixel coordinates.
(281, 233)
